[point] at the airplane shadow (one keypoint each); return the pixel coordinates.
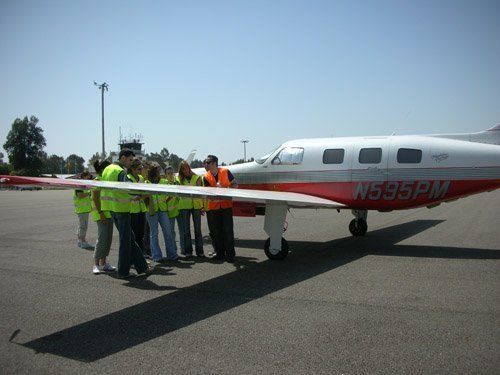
(124, 329)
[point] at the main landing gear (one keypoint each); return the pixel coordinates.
(358, 226)
(276, 247)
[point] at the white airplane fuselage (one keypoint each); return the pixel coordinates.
(377, 173)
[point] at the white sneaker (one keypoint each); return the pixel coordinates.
(108, 267)
(96, 270)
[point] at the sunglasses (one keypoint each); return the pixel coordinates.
(208, 162)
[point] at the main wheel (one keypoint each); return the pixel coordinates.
(358, 227)
(276, 255)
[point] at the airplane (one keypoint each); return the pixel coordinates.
(381, 173)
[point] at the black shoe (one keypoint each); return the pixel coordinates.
(217, 257)
(147, 271)
(127, 276)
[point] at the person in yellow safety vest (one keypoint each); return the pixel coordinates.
(104, 226)
(157, 214)
(118, 203)
(220, 212)
(81, 202)
(190, 207)
(173, 207)
(147, 247)
(138, 208)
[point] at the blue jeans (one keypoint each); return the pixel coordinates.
(198, 237)
(161, 218)
(128, 251)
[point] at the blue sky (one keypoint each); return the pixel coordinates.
(208, 74)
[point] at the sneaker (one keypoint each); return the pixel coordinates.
(96, 270)
(79, 244)
(85, 245)
(108, 268)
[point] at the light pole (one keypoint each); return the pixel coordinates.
(245, 150)
(103, 86)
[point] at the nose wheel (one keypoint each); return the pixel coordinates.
(275, 254)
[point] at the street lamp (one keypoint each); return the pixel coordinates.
(245, 150)
(103, 86)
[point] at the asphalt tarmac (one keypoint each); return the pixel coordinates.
(420, 293)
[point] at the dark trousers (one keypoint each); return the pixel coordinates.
(128, 251)
(220, 225)
(146, 238)
(138, 222)
(186, 229)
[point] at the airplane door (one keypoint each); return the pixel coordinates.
(369, 171)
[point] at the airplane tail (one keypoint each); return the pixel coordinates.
(190, 157)
(491, 136)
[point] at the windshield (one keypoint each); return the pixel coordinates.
(262, 159)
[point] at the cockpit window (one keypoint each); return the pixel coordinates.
(289, 156)
(263, 159)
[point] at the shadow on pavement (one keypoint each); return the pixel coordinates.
(131, 326)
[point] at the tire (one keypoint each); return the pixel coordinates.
(358, 227)
(281, 254)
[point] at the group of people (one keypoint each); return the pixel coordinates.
(137, 217)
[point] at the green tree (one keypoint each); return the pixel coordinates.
(75, 164)
(97, 156)
(197, 163)
(54, 164)
(5, 168)
(154, 156)
(24, 145)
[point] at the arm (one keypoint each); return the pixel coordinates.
(96, 197)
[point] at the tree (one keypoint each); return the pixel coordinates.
(197, 163)
(75, 164)
(5, 168)
(154, 156)
(54, 164)
(24, 145)
(97, 156)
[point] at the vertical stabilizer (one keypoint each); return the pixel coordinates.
(491, 136)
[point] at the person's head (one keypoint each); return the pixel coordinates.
(125, 157)
(136, 167)
(154, 172)
(100, 166)
(169, 173)
(85, 175)
(146, 166)
(211, 163)
(184, 170)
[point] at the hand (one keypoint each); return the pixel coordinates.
(102, 218)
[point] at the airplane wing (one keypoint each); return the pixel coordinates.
(241, 195)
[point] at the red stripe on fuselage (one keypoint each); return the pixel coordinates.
(385, 195)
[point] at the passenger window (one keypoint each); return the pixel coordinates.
(333, 156)
(289, 156)
(409, 156)
(370, 155)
